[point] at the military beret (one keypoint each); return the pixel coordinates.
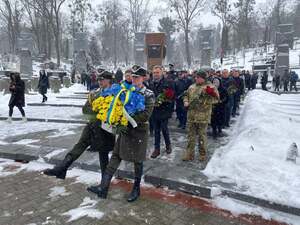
(201, 73)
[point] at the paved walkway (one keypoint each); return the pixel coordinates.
(30, 198)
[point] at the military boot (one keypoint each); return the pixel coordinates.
(136, 191)
(60, 170)
(155, 153)
(102, 189)
(188, 156)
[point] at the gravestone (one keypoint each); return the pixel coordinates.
(284, 41)
(5, 84)
(139, 49)
(81, 49)
(34, 83)
(27, 85)
(55, 84)
(205, 55)
(25, 63)
(67, 82)
(25, 50)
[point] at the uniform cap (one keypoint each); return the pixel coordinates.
(105, 75)
(139, 72)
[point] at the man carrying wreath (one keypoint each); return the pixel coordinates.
(131, 143)
(94, 135)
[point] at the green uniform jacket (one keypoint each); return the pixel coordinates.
(132, 145)
(200, 103)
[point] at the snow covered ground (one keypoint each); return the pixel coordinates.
(47, 111)
(255, 158)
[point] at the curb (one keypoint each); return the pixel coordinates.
(54, 105)
(47, 120)
(197, 190)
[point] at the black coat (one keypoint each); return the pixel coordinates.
(165, 110)
(17, 94)
(218, 112)
(43, 84)
(118, 76)
(181, 85)
(132, 145)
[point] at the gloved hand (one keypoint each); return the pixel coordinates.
(211, 91)
(122, 130)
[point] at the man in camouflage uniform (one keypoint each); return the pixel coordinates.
(199, 99)
(94, 135)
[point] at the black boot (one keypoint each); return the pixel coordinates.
(135, 193)
(59, 171)
(102, 189)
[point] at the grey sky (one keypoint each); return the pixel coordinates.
(162, 9)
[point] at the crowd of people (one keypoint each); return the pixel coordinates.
(200, 99)
(288, 81)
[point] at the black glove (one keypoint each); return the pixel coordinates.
(122, 129)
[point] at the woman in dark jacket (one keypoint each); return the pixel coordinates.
(17, 89)
(43, 85)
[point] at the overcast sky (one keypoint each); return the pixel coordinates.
(162, 9)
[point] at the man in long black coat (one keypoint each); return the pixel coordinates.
(181, 85)
(218, 112)
(17, 89)
(163, 109)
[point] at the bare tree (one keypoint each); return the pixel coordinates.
(241, 22)
(139, 15)
(12, 13)
(222, 9)
(168, 26)
(187, 11)
(52, 10)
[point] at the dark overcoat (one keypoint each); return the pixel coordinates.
(131, 146)
(17, 94)
(43, 84)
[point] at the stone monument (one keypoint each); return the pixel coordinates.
(81, 49)
(284, 41)
(25, 50)
(139, 49)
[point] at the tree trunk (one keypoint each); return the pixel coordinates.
(187, 47)
(224, 41)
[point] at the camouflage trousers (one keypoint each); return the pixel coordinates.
(197, 130)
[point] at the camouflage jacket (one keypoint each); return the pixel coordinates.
(199, 103)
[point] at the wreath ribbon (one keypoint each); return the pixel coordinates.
(113, 105)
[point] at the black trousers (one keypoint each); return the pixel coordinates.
(89, 137)
(11, 110)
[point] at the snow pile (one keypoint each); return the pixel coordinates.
(255, 158)
(85, 209)
(58, 191)
(240, 208)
